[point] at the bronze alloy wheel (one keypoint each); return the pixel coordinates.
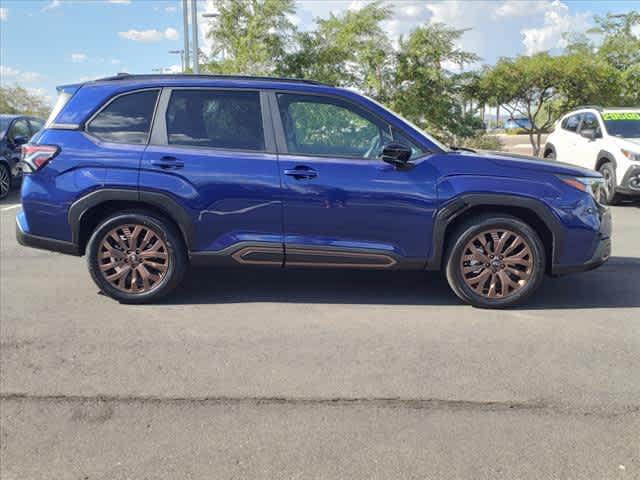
(497, 263)
(133, 258)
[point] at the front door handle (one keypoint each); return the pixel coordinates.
(301, 172)
(168, 162)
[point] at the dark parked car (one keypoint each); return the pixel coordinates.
(15, 131)
(145, 174)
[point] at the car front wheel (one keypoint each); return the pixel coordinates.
(608, 196)
(135, 257)
(495, 262)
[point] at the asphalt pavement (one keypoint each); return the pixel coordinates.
(317, 374)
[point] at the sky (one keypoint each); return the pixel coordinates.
(45, 43)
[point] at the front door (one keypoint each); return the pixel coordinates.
(208, 150)
(343, 206)
(587, 149)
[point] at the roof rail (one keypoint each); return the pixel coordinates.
(595, 107)
(128, 76)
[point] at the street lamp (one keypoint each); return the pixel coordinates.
(181, 53)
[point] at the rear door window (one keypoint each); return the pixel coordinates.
(215, 119)
(36, 125)
(127, 119)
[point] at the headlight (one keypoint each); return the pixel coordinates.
(631, 155)
(593, 185)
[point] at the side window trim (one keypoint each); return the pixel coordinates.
(159, 136)
(281, 140)
(85, 125)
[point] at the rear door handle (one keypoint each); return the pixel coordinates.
(300, 172)
(168, 162)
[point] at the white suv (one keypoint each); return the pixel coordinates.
(603, 139)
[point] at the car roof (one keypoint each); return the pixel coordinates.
(10, 116)
(169, 80)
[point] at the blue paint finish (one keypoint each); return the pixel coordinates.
(360, 203)
(236, 196)
(232, 196)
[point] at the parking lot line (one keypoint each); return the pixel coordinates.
(10, 207)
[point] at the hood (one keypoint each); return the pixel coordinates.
(633, 143)
(519, 162)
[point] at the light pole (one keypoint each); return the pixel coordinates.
(181, 52)
(185, 33)
(194, 36)
(212, 15)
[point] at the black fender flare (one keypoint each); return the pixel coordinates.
(160, 201)
(548, 146)
(604, 154)
(455, 207)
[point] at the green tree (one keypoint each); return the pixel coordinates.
(18, 100)
(426, 92)
(350, 49)
(542, 87)
(250, 37)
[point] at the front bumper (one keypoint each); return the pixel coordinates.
(29, 240)
(602, 250)
(630, 184)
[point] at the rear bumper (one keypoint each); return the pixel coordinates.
(28, 240)
(602, 249)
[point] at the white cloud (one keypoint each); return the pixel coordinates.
(121, 2)
(13, 74)
(51, 6)
(171, 9)
(171, 34)
(115, 61)
(4, 13)
(151, 35)
(557, 22)
(78, 57)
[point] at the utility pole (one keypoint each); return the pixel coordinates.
(185, 34)
(194, 32)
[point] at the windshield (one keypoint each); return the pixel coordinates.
(415, 127)
(622, 124)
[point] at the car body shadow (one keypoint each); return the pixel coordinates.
(614, 285)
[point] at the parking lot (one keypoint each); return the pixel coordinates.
(318, 374)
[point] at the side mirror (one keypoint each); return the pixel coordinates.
(589, 133)
(20, 140)
(396, 153)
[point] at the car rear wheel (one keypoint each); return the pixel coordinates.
(495, 262)
(5, 180)
(550, 155)
(608, 196)
(135, 257)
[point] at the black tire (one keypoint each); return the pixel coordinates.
(5, 180)
(167, 236)
(609, 197)
(550, 155)
(478, 226)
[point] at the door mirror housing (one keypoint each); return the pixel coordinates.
(590, 133)
(396, 153)
(20, 140)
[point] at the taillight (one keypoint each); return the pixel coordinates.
(34, 157)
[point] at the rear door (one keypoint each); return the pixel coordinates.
(212, 151)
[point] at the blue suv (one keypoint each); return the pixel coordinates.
(147, 174)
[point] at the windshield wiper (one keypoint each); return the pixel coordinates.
(463, 149)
